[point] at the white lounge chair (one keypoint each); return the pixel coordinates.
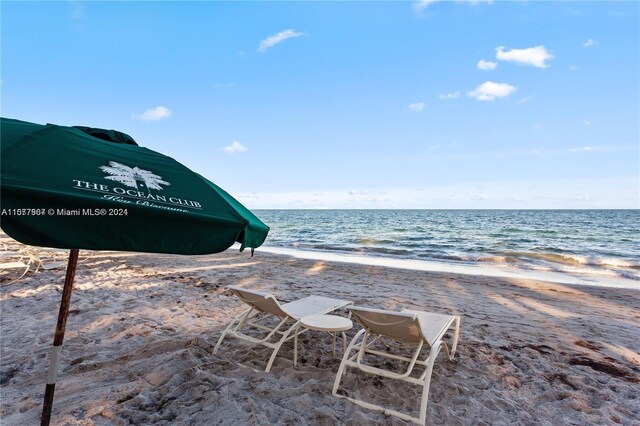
(264, 306)
(35, 258)
(15, 265)
(414, 329)
(11, 261)
(35, 261)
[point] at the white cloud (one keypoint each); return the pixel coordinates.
(486, 65)
(418, 106)
(357, 192)
(153, 114)
(583, 149)
(525, 100)
(533, 56)
(602, 148)
(421, 5)
(271, 41)
(586, 123)
(573, 67)
(489, 90)
(234, 148)
(590, 42)
(223, 85)
(448, 96)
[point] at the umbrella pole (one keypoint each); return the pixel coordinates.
(59, 337)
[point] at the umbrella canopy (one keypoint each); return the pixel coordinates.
(95, 189)
(88, 188)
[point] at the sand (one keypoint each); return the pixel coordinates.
(140, 334)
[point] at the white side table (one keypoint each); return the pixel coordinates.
(327, 323)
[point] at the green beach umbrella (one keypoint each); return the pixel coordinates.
(64, 188)
(86, 188)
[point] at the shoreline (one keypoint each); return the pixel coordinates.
(483, 270)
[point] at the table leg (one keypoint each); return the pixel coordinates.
(334, 343)
(295, 347)
(344, 343)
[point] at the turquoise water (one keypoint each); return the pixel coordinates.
(605, 242)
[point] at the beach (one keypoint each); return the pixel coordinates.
(142, 327)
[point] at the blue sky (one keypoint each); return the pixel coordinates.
(350, 105)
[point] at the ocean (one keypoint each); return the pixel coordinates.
(583, 243)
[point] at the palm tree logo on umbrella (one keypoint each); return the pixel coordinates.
(133, 177)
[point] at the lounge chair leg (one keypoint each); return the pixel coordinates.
(295, 350)
(455, 338)
(279, 344)
(433, 354)
(343, 364)
(224, 333)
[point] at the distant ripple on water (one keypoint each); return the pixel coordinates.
(604, 242)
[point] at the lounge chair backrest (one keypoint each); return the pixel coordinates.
(400, 326)
(262, 302)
